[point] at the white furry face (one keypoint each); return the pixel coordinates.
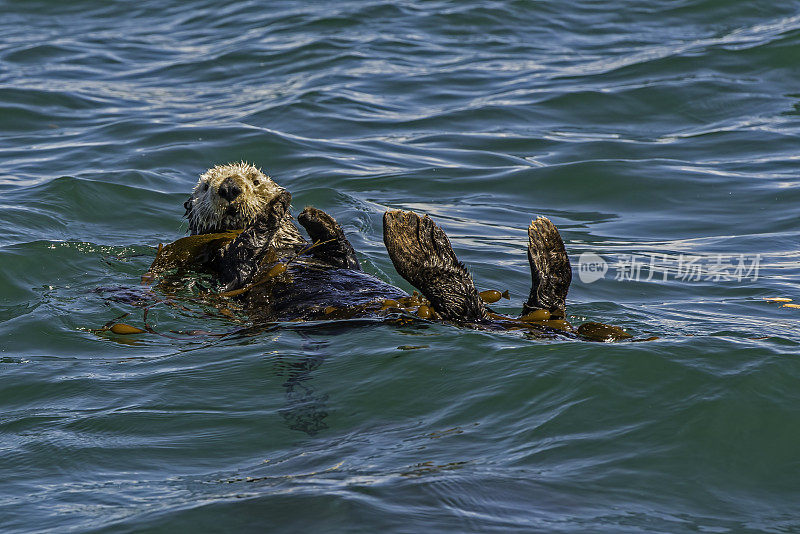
(228, 197)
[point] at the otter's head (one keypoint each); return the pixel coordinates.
(228, 197)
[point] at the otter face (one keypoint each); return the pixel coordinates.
(228, 197)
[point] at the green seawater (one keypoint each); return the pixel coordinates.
(661, 137)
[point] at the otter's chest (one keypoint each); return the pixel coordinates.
(306, 289)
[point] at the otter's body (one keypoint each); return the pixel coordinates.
(308, 289)
(284, 277)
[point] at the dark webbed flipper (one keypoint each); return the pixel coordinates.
(239, 259)
(333, 248)
(422, 255)
(551, 272)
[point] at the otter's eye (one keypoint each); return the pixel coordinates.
(256, 182)
(205, 186)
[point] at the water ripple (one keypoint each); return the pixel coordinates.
(641, 129)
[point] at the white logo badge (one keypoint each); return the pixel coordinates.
(591, 267)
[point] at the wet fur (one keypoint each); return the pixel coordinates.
(421, 253)
(209, 213)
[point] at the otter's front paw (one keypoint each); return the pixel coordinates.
(269, 220)
(319, 225)
(330, 243)
(237, 262)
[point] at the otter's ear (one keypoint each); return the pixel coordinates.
(188, 206)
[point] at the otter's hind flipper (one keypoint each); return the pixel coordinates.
(239, 259)
(422, 255)
(333, 247)
(551, 272)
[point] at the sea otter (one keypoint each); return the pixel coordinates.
(284, 277)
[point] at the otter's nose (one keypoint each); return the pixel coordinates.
(229, 190)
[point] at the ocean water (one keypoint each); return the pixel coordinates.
(660, 137)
